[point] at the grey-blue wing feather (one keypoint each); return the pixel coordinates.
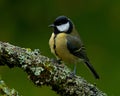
(75, 46)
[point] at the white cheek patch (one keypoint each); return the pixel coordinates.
(63, 27)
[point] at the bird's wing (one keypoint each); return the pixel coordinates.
(76, 47)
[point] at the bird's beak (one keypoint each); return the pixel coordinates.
(51, 25)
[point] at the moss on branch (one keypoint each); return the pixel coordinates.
(43, 71)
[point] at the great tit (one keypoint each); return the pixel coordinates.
(66, 45)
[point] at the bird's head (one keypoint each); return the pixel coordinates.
(62, 24)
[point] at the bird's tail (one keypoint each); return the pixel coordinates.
(92, 70)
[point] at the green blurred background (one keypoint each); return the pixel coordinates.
(25, 23)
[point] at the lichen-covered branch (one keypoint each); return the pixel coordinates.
(6, 91)
(43, 71)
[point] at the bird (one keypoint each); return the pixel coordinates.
(65, 43)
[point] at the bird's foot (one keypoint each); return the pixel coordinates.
(56, 61)
(72, 74)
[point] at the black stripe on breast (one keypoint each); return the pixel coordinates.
(54, 46)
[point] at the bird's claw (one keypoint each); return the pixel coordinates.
(56, 61)
(72, 75)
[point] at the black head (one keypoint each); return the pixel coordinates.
(62, 24)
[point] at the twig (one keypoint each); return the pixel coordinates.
(6, 91)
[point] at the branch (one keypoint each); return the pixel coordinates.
(6, 91)
(43, 71)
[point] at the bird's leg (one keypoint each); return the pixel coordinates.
(74, 71)
(72, 74)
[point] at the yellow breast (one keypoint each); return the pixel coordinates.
(61, 48)
(51, 43)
